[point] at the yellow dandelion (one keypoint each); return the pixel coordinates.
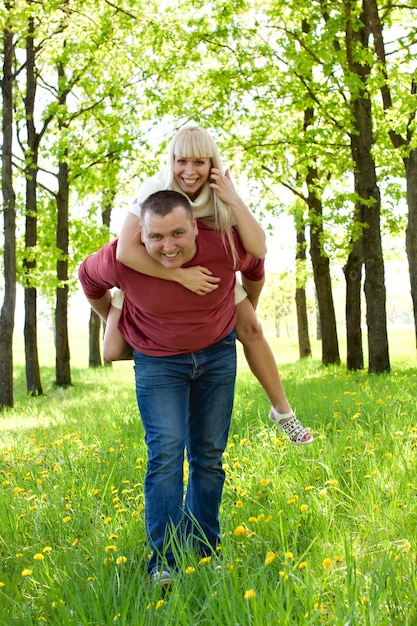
(264, 482)
(66, 519)
(309, 488)
(270, 557)
(121, 559)
(377, 508)
(38, 557)
(304, 508)
(190, 570)
(107, 560)
(250, 594)
(253, 519)
(75, 543)
(240, 531)
(47, 549)
(289, 556)
(27, 572)
(159, 604)
(90, 579)
(2, 584)
(302, 565)
(110, 548)
(205, 560)
(107, 520)
(113, 536)
(239, 504)
(327, 563)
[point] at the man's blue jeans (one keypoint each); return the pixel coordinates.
(185, 402)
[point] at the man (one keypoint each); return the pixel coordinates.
(185, 368)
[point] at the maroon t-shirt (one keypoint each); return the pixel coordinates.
(161, 317)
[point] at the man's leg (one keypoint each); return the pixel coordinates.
(162, 389)
(211, 404)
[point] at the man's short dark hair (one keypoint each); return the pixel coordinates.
(163, 202)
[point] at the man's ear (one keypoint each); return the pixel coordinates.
(195, 226)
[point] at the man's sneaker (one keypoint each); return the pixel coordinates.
(161, 578)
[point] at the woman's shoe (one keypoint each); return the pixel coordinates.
(296, 432)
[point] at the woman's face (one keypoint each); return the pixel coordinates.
(191, 173)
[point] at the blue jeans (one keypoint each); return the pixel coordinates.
(185, 402)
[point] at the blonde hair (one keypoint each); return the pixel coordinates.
(194, 141)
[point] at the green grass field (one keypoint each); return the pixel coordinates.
(320, 534)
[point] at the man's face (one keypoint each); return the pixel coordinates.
(170, 240)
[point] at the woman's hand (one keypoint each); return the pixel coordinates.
(197, 279)
(223, 186)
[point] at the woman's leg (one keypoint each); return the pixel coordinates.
(262, 363)
(115, 347)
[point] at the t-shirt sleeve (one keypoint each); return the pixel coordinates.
(97, 273)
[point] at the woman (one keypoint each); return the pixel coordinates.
(194, 168)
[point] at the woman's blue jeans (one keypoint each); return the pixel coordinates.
(185, 402)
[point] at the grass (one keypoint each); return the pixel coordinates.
(321, 534)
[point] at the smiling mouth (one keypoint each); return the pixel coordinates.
(171, 256)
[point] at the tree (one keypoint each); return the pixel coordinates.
(400, 114)
(9, 217)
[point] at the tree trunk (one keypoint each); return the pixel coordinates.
(411, 231)
(62, 360)
(94, 333)
(304, 346)
(353, 276)
(95, 325)
(398, 141)
(369, 205)
(320, 261)
(33, 376)
(9, 216)
(322, 280)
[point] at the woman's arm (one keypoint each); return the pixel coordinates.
(250, 232)
(132, 253)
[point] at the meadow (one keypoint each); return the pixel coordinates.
(318, 534)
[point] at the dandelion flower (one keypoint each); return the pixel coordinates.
(205, 560)
(159, 604)
(190, 570)
(2, 584)
(302, 565)
(66, 519)
(27, 572)
(39, 557)
(270, 557)
(239, 504)
(47, 549)
(304, 508)
(250, 594)
(327, 563)
(240, 531)
(289, 556)
(121, 559)
(110, 548)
